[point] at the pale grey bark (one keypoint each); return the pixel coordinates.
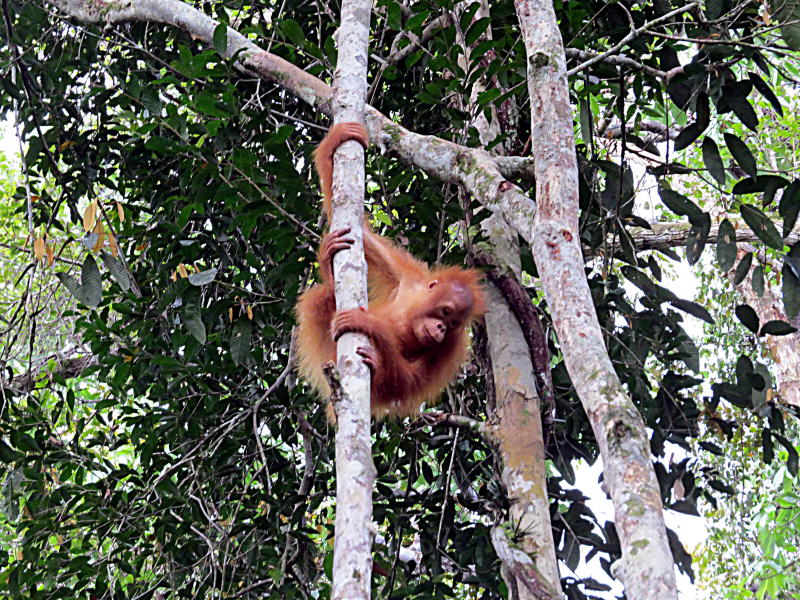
(783, 349)
(665, 235)
(515, 419)
(355, 471)
(647, 567)
(518, 570)
(516, 422)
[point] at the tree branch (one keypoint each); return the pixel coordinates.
(67, 368)
(665, 235)
(617, 425)
(474, 168)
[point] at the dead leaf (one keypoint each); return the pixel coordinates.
(38, 248)
(90, 216)
(112, 244)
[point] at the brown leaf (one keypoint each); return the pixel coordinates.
(90, 216)
(38, 248)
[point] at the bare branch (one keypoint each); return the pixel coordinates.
(663, 236)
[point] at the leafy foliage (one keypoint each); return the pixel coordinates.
(186, 461)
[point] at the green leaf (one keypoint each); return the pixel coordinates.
(7, 453)
(206, 103)
(415, 23)
(468, 14)
(744, 110)
(789, 206)
(792, 464)
(221, 38)
(117, 270)
(476, 30)
(293, 32)
(777, 328)
(758, 280)
(678, 203)
(240, 340)
(69, 282)
(90, 282)
(734, 394)
(194, 323)
(689, 353)
(203, 277)
(743, 268)
(693, 309)
(748, 317)
(762, 226)
(766, 446)
(488, 96)
(688, 135)
(171, 294)
(25, 442)
(764, 183)
(721, 487)
(703, 111)
(791, 292)
(741, 153)
(713, 160)
(698, 235)
(787, 13)
(394, 16)
(726, 245)
(766, 91)
(586, 122)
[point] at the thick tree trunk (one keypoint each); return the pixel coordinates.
(646, 568)
(515, 419)
(516, 426)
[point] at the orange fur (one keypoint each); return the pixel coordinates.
(417, 320)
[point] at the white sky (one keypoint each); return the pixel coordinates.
(691, 530)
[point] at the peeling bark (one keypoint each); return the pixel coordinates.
(519, 571)
(516, 426)
(619, 428)
(783, 349)
(515, 420)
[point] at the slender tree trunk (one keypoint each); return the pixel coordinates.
(355, 472)
(647, 567)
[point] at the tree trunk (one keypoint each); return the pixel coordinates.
(783, 349)
(516, 426)
(515, 419)
(355, 472)
(646, 569)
